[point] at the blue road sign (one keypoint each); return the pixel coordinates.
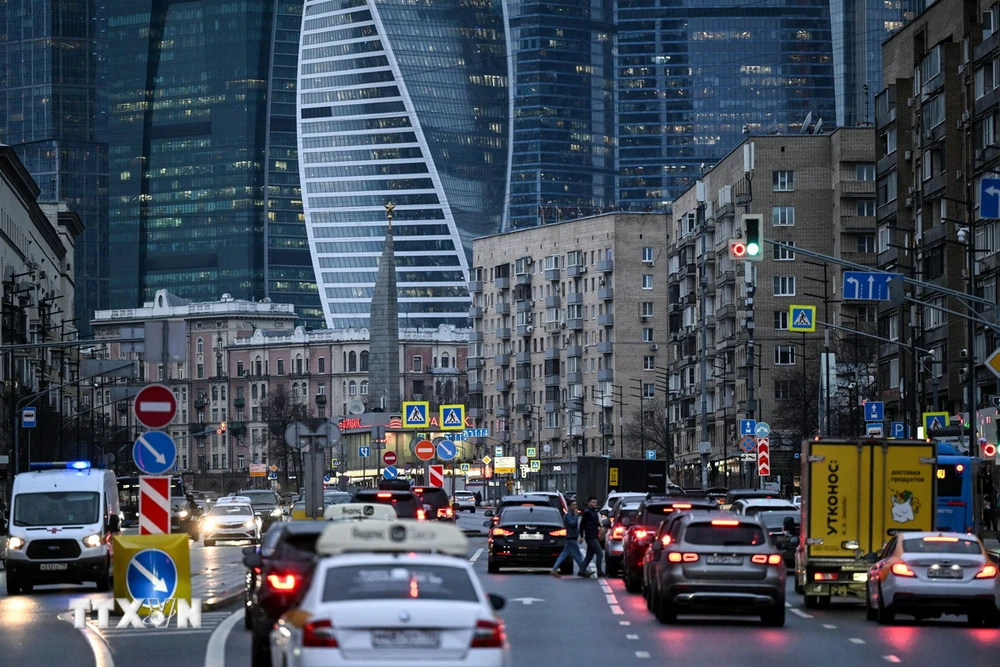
(802, 319)
(28, 418)
(897, 429)
(868, 285)
(390, 472)
(989, 198)
(874, 430)
(650, 454)
(747, 426)
(364, 451)
(762, 429)
(272, 475)
(874, 411)
(748, 444)
(498, 450)
(476, 433)
(154, 452)
(447, 450)
(327, 478)
(459, 435)
(151, 575)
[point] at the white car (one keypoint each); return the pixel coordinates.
(401, 592)
(753, 506)
(613, 497)
(464, 500)
(230, 521)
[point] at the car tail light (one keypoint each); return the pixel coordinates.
(319, 634)
(824, 576)
(421, 515)
(725, 522)
(678, 557)
(618, 533)
(383, 495)
(775, 559)
(488, 634)
(445, 512)
(682, 506)
(765, 559)
(665, 540)
(759, 558)
(502, 532)
(282, 582)
(988, 572)
(941, 538)
(902, 570)
(561, 532)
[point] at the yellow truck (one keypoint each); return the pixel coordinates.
(856, 494)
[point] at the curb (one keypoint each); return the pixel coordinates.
(223, 599)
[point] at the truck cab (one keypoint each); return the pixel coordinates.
(62, 520)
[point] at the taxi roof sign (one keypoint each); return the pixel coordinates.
(403, 536)
(233, 500)
(358, 511)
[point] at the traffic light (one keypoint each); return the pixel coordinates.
(222, 428)
(737, 249)
(754, 240)
(989, 450)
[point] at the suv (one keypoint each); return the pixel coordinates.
(519, 501)
(639, 533)
(265, 505)
(437, 500)
(406, 503)
(736, 494)
(621, 519)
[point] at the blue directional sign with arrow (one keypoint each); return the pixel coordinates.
(154, 453)
(447, 450)
(747, 426)
(364, 451)
(151, 575)
(868, 285)
(874, 411)
(390, 472)
(989, 198)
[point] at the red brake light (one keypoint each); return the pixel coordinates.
(444, 511)
(640, 534)
(775, 559)
(677, 557)
(665, 540)
(988, 572)
(558, 533)
(825, 576)
(503, 532)
(384, 495)
(280, 582)
(618, 533)
(725, 522)
(901, 570)
(488, 634)
(319, 634)
(421, 515)
(940, 538)
(759, 558)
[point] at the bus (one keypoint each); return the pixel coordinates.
(960, 489)
(128, 497)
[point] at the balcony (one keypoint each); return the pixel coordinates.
(574, 378)
(475, 312)
(476, 286)
(552, 380)
(475, 336)
(198, 430)
(606, 375)
(523, 408)
(475, 387)
(525, 329)
(502, 359)
(524, 305)
(238, 429)
(502, 436)
(471, 363)
(320, 399)
(607, 320)
(200, 403)
(523, 384)
(605, 347)
(552, 302)
(606, 294)
(575, 271)
(524, 435)
(552, 406)
(503, 308)
(475, 413)
(503, 385)
(522, 357)
(504, 333)
(574, 351)
(606, 266)
(502, 411)
(522, 279)
(574, 299)
(574, 324)
(551, 353)
(552, 274)
(502, 282)
(239, 402)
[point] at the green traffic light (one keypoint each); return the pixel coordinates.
(753, 249)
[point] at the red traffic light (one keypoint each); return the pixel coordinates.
(989, 450)
(737, 249)
(222, 428)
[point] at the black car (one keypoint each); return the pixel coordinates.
(278, 574)
(265, 505)
(531, 536)
(522, 501)
(438, 501)
(406, 503)
(777, 526)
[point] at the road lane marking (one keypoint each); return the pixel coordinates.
(799, 612)
(829, 627)
(631, 636)
(102, 654)
(616, 610)
(476, 555)
(611, 599)
(642, 654)
(856, 640)
(891, 658)
(215, 652)
(624, 622)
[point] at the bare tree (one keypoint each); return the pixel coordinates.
(648, 429)
(279, 410)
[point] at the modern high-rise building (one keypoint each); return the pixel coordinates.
(204, 186)
(403, 103)
(859, 28)
(563, 147)
(694, 78)
(53, 112)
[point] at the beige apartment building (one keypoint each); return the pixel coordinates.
(815, 192)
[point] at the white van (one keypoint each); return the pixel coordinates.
(62, 518)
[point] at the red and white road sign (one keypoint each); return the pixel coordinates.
(763, 457)
(154, 505)
(424, 450)
(389, 458)
(155, 406)
(436, 475)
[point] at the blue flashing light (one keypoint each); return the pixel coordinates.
(60, 465)
(78, 465)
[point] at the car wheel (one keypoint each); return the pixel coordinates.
(774, 617)
(992, 620)
(260, 650)
(13, 584)
(976, 620)
(247, 618)
(884, 615)
(811, 601)
(209, 543)
(492, 567)
(665, 612)
(104, 580)
(633, 584)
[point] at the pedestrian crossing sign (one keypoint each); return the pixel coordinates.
(935, 420)
(416, 414)
(802, 319)
(452, 418)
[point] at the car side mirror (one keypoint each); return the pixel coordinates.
(498, 602)
(251, 558)
(625, 521)
(657, 545)
(114, 524)
(871, 557)
(486, 524)
(488, 514)
(789, 526)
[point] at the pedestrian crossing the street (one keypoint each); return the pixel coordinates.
(209, 621)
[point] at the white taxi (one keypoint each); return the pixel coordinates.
(232, 518)
(392, 592)
(359, 511)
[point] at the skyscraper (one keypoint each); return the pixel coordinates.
(407, 103)
(693, 77)
(859, 28)
(563, 148)
(204, 185)
(53, 112)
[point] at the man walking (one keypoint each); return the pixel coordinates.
(590, 526)
(571, 548)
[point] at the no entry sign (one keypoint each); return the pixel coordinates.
(155, 406)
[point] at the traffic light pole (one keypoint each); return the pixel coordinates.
(705, 446)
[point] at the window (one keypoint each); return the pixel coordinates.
(890, 141)
(884, 235)
(648, 390)
(647, 255)
(647, 281)
(201, 371)
(783, 216)
(647, 335)
(933, 316)
(783, 181)
(418, 364)
(321, 364)
(893, 328)
(648, 363)
(281, 366)
(445, 360)
(364, 387)
(784, 285)
(647, 309)
(885, 189)
(352, 388)
(781, 320)
(933, 110)
(352, 361)
(201, 346)
(260, 368)
(782, 389)
(784, 355)
(866, 242)
(865, 171)
(239, 369)
(363, 361)
(783, 254)
(866, 207)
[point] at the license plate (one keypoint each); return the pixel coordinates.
(50, 567)
(940, 573)
(860, 576)
(531, 536)
(405, 639)
(724, 560)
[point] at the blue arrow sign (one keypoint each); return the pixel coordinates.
(28, 418)
(272, 475)
(326, 479)
(747, 426)
(154, 452)
(868, 285)
(874, 411)
(390, 472)
(364, 451)
(762, 429)
(447, 450)
(151, 575)
(897, 429)
(989, 198)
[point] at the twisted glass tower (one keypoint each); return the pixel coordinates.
(406, 103)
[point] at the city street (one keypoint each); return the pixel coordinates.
(549, 621)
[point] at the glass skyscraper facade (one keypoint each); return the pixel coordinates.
(406, 103)
(563, 148)
(859, 28)
(53, 112)
(694, 75)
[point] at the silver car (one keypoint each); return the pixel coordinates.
(930, 574)
(714, 562)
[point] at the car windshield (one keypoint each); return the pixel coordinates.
(739, 535)
(57, 508)
(337, 498)
(260, 497)
(752, 510)
(942, 545)
(231, 510)
(434, 497)
(525, 515)
(296, 546)
(772, 520)
(390, 581)
(657, 514)
(405, 504)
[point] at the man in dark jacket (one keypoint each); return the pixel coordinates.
(571, 549)
(590, 526)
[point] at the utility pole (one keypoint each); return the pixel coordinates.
(618, 400)
(705, 446)
(642, 415)
(751, 280)
(664, 375)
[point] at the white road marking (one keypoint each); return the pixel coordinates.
(799, 612)
(611, 599)
(476, 555)
(631, 636)
(891, 658)
(215, 653)
(829, 627)
(788, 604)
(616, 610)
(642, 654)
(856, 640)
(624, 622)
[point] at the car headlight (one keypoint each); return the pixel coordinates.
(276, 511)
(15, 543)
(250, 523)
(183, 514)
(209, 524)
(93, 541)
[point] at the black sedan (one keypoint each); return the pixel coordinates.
(531, 536)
